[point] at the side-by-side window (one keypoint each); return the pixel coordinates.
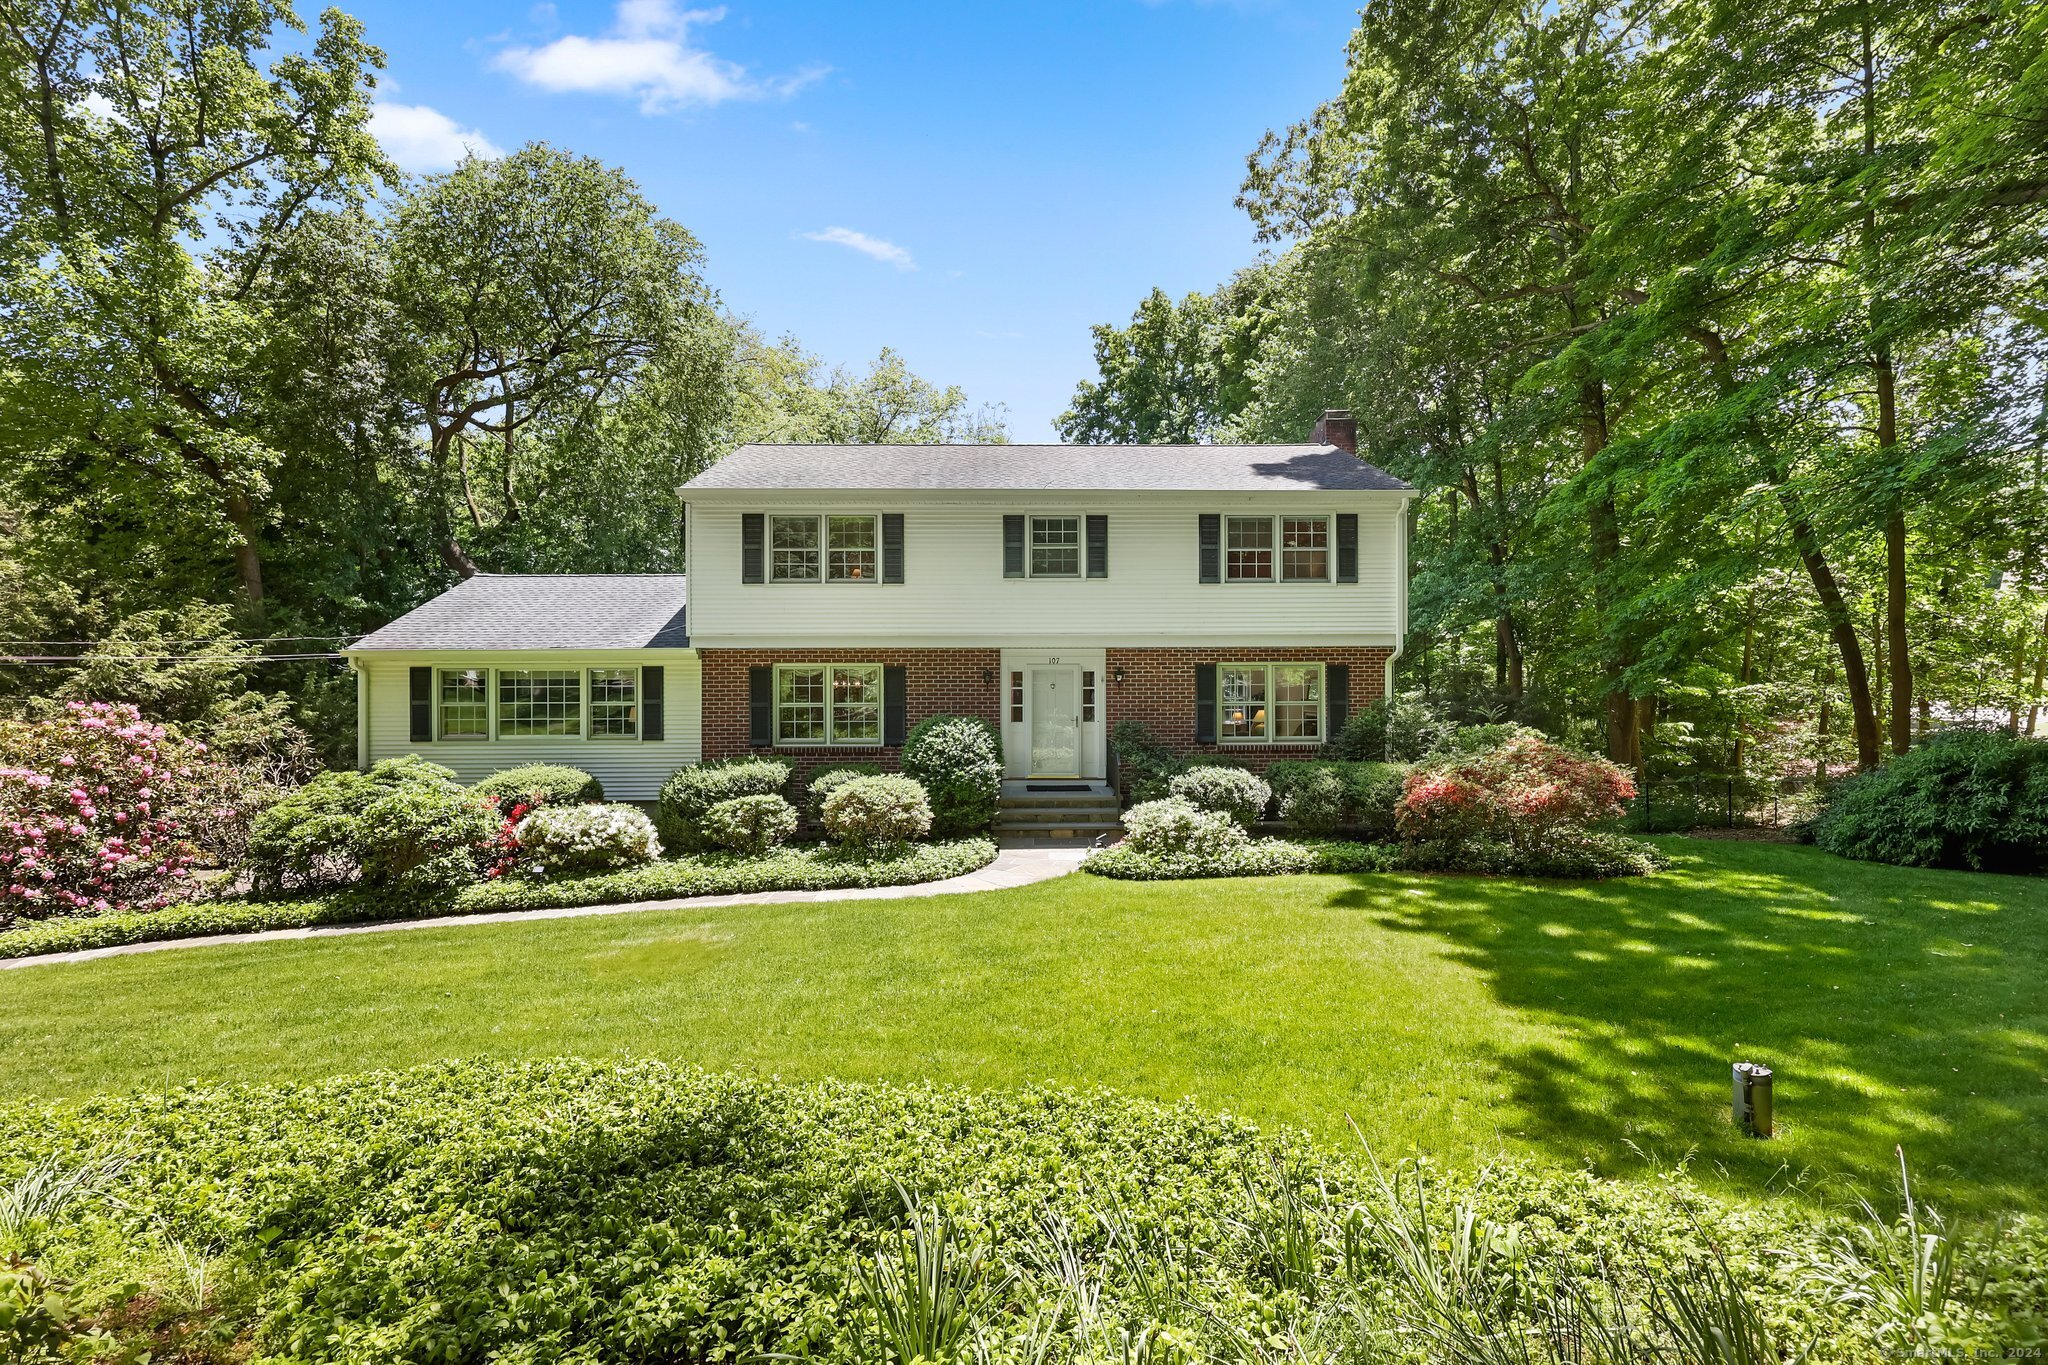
(830, 549)
(828, 704)
(531, 703)
(1270, 703)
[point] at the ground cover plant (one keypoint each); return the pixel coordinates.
(710, 873)
(1458, 1017)
(1965, 798)
(661, 1214)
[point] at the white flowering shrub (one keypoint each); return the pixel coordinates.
(1179, 827)
(878, 810)
(557, 841)
(1239, 794)
(749, 824)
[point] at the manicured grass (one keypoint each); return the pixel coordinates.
(1459, 1016)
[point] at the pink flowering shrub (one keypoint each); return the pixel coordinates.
(96, 813)
(1514, 805)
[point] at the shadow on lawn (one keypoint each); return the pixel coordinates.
(1897, 1006)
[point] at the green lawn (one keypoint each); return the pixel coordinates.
(1457, 1016)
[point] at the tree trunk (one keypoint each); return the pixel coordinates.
(1606, 543)
(1841, 627)
(452, 553)
(241, 515)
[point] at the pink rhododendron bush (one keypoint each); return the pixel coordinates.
(1526, 805)
(101, 810)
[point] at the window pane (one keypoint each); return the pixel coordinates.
(465, 704)
(1248, 549)
(614, 703)
(850, 549)
(800, 706)
(793, 549)
(857, 705)
(1244, 702)
(1298, 701)
(1304, 547)
(1055, 547)
(540, 701)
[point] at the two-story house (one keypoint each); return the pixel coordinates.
(1237, 600)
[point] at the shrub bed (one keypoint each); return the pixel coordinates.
(825, 781)
(1966, 798)
(875, 812)
(1252, 858)
(569, 841)
(562, 1210)
(690, 792)
(750, 824)
(1317, 796)
(709, 874)
(1231, 791)
(1524, 805)
(405, 824)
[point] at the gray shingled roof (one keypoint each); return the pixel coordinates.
(1220, 469)
(545, 611)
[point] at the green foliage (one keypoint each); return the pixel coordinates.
(1146, 764)
(679, 1214)
(540, 784)
(878, 811)
(1237, 793)
(707, 874)
(825, 781)
(690, 792)
(1581, 855)
(575, 840)
(750, 825)
(1317, 796)
(959, 759)
(407, 824)
(1966, 798)
(1252, 858)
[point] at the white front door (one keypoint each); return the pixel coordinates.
(1055, 722)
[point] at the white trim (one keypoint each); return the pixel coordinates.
(1080, 520)
(1272, 703)
(590, 703)
(824, 522)
(830, 741)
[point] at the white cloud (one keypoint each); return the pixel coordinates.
(646, 54)
(421, 138)
(865, 245)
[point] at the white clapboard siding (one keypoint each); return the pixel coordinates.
(955, 593)
(631, 770)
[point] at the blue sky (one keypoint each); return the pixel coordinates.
(972, 184)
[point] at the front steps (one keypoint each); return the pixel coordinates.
(1058, 818)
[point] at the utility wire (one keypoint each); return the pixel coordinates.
(79, 661)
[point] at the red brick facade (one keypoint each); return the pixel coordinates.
(948, 682)
(1157, 688)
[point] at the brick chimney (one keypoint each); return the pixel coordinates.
(1338, 428)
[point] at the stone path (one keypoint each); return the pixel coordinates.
(1012, 867)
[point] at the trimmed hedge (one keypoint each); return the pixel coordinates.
(825, 781)
(708, 874)
(570, 1210)
(541, 784)
(1253, 858)
(690, 792)
(1370, 791)
(959, 762)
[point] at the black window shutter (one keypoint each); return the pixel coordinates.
(1013, 547)
(895, 702)
(422, 705)
(760, 706)
(1211, 539)
(653, 712)
(1098, 547)
(753, 547)
(1347, 547)
(892, 547)
(1205, 703)
(1337, 694)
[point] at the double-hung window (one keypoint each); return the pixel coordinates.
(1055, 547)
(1270, 703)
(1276, 549)
(828, 704)
(830, 549)
(614, 703)
(464, 703)
(540, 701)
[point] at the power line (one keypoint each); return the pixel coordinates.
(202, 640)
(79, 661)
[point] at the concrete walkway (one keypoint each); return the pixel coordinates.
(1012, 867)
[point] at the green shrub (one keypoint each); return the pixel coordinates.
(1252, 858)
(1177, 827)
(1366, 793)
(540, 784)
(1580, 854)
(1965, 798)
(406, 824)
(825, 781)
(568, 841)
(1233, 791)
(1403, 729)
(875, 811)
(1145, 765)
(690, 792)
(750, 824)
(959, 761)
(634, 1211)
